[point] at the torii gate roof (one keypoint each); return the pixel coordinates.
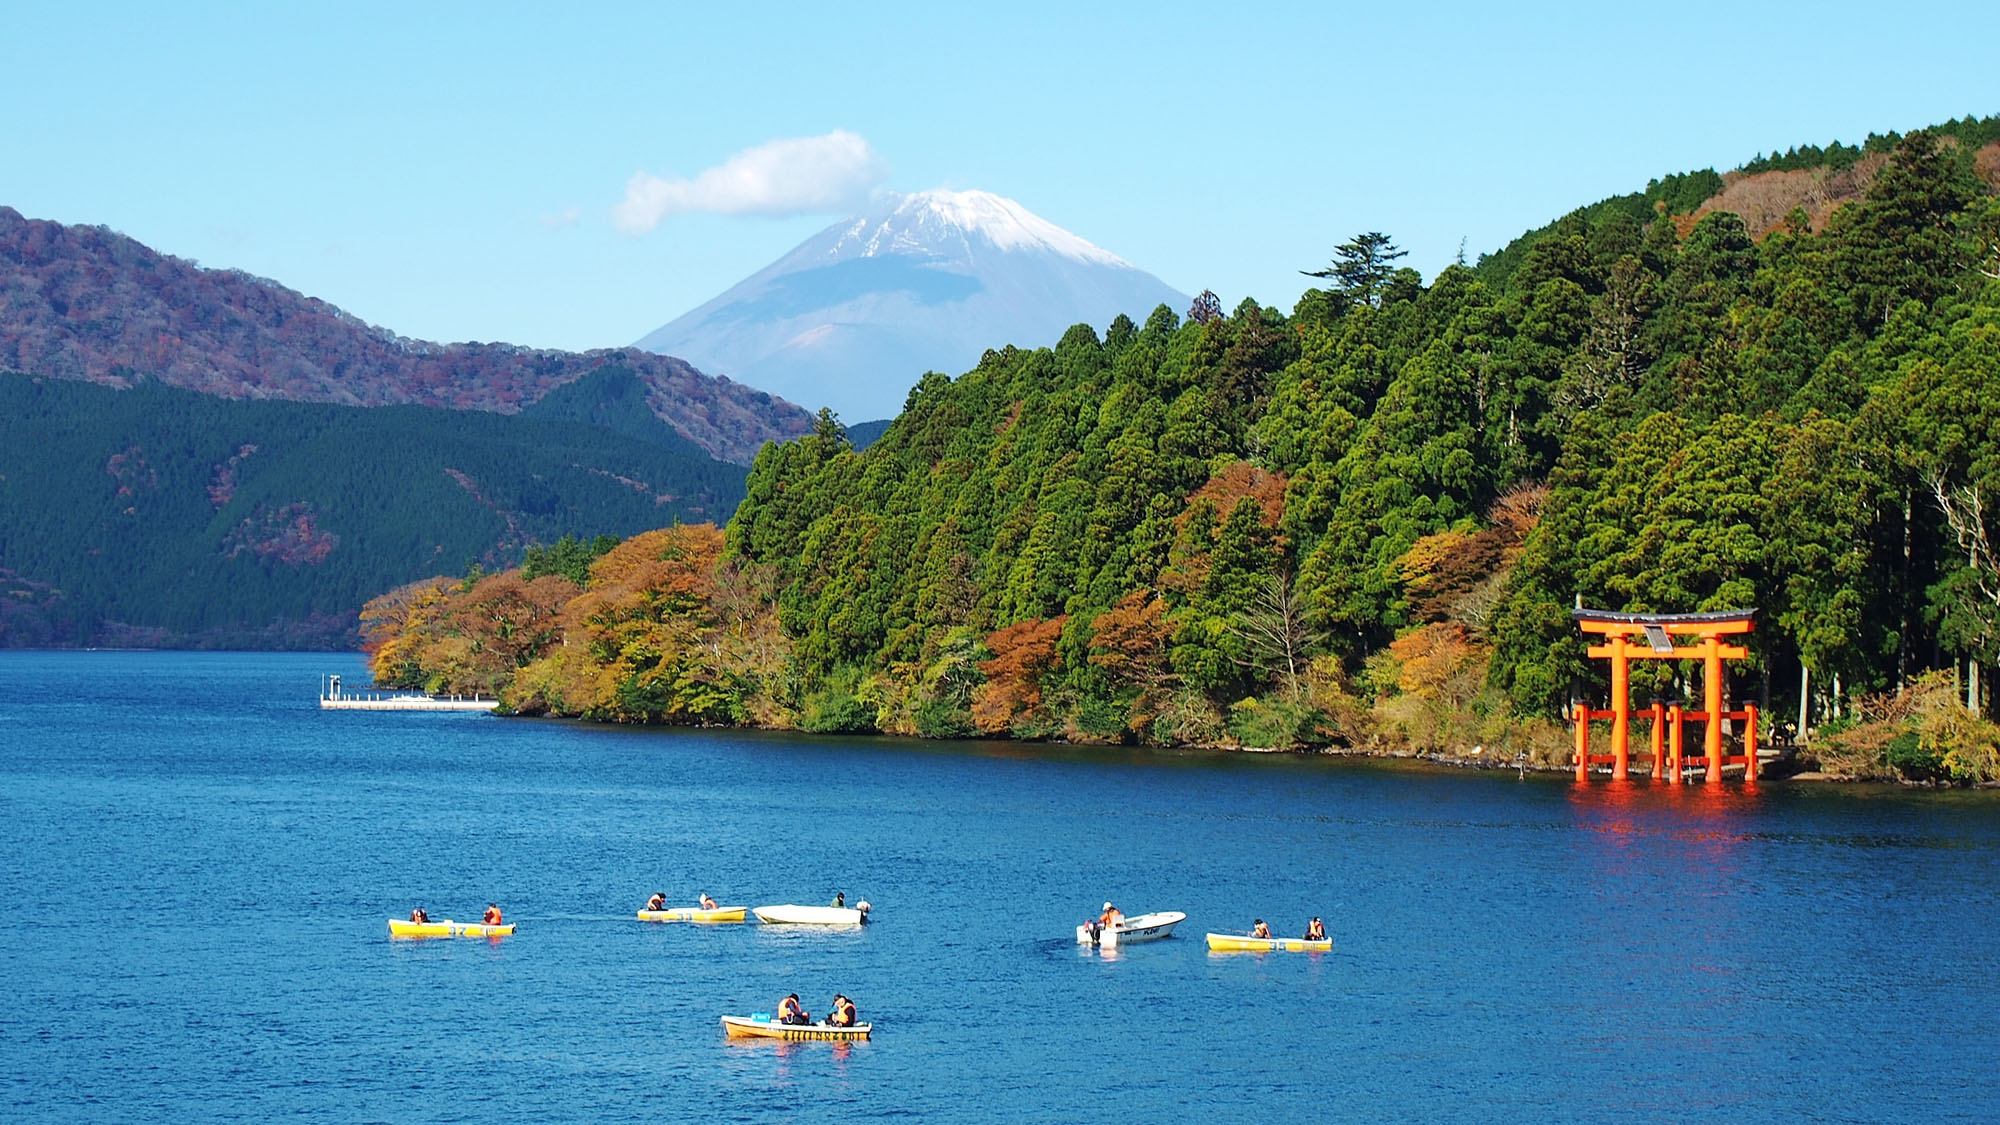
(1712, 617)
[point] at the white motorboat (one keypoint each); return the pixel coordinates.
(1139, 927)
(812, 915)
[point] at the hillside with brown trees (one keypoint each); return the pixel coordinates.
(85, 302)
(1766, 199)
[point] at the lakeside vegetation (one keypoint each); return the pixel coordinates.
(1362, 523)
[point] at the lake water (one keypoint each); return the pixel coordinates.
(197, 865)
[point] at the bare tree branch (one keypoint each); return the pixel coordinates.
(1965, 513)
(1275, 635)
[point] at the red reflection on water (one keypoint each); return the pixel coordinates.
(1609, 807)
(1698, 823)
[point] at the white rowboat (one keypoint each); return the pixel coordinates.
(1140, 927)
(810, 915)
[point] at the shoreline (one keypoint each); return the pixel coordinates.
(1437, 758)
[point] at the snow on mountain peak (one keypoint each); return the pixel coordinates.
(927, 221)
(851, 317)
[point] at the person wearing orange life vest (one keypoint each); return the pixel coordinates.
(1111, 916)
(658, 901)
(492, 915)
(1315, 931)
(791, 1011)
(1259, 930)
(843, 1014)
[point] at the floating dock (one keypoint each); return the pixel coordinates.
(333, 697)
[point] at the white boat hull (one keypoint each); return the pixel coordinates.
(1141, 927)
(809, 915)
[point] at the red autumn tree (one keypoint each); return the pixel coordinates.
(1022, 654)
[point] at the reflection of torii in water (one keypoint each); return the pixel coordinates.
(1659, 631)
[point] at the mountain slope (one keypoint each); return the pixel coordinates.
(1763, 191)
(854, 315)
(79, 302)
(158, 516)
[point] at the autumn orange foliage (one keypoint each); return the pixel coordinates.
(440, 636)
(1441, 572)
(665, 631)
(1434, 659)
(1129, 642)
(1241, 479)
(1022, 654)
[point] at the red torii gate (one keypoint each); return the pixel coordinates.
(1657, 635)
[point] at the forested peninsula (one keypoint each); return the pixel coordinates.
(1363, 524)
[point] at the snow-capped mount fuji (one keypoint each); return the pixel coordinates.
(856, 314)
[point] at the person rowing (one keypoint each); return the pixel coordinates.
(492, 915)
(1315, 930)
(1259, 930)
(707, 903)
(658, 901)
(420, 915)
(791, 1011)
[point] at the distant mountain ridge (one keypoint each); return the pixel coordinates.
(84, 302)
(161, 517)
(853, 317)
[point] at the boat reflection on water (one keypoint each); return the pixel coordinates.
(837, 1049)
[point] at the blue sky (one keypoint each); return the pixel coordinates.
(456, 173)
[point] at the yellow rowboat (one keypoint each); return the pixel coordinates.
(402, 927)
(695, 914)
(750, 1027)
(1238, 943)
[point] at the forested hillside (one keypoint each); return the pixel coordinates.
(1364, 521)
(160, 516)
(79, 302)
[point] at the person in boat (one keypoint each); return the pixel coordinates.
(839, 900)
(1315, 930)
(791, 1011)
(1111, 916)
(492, 915)
(420, 915)
(707, 903)
(1259, 930)
(658, 901)
(842, 1014)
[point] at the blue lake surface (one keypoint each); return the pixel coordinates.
(197, 866)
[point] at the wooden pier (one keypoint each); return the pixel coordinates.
(333, 697)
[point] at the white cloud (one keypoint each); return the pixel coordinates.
(567, 217)
(794, 176)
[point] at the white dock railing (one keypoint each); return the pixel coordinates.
(334, 697)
